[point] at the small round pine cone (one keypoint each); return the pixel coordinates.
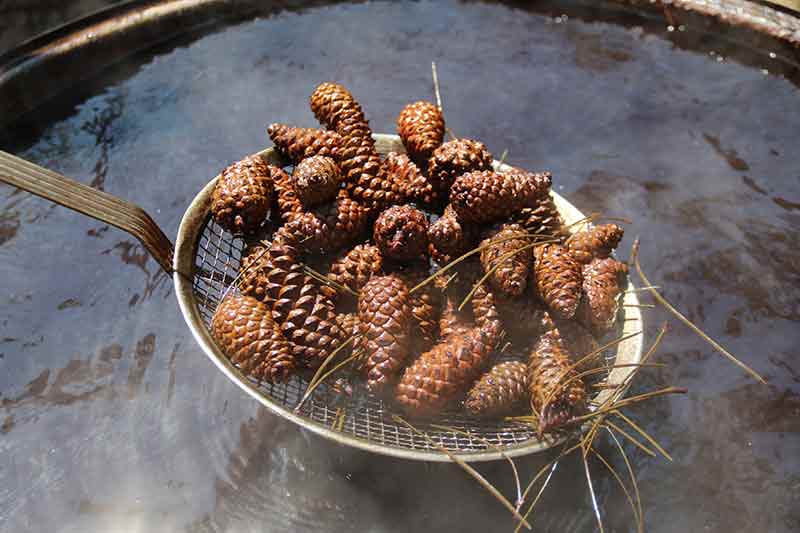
(296, 144)
(421, 128)
(357, 266)
(543, 220)
(454, 158)
(595, 243)
(509, 273)
(242, 196)
(401, 233)
(244, 329)
(499, 391)
(603, 280)
(385, 316)
(450, 237)
(558, 279)
(316, 180)
(488, 196)
(557, 395)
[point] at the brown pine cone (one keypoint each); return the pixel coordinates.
(486, 196)
(510, 274)
(452, 320)
(310, 323)
(329, 227)
(385, 316)
(401, 233)
(485, 312)
(522, 317)
(426, 308)
(296, 144)
(454, 158)
(406, 175)
(349, 325)
(316, 180)
(421, 128)
(286, 200)
(576, 341)
(244, 329)
(499, 391)
(603, 280)
(557, 395)
(336, 109)
(242, 196)
(558, 279)
(266, 270)
(595, 243)
(357, 266)
(450, 237)
(445, 372)
(543, 219)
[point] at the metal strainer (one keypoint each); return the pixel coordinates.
(206, 261)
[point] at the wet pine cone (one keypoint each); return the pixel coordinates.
(242, 196)
(509, 273)
(488, 196)
(244, 329)
(596, 242)
(558, 279)
(316, 180)
(384, 312)
(557, 396)
(329, 227)
(296, 144)
(576, 341)
(450, 237)
(401, 233)
(499, 391)
(543, 219)
(603, 280)
(421, 128)
(357, 266)
(404, 173)
(426, 308)
(454, 158)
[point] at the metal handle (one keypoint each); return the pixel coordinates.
(89, 201)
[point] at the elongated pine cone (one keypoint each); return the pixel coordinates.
(454, 158)
(498, 392)
(265, 270)
(557, 396)
(543, 219)
(602, 290)
(242, 196)
(450, 237)
(385, 316)
(595, 243)
(310, 323)
(249, 337)
(487, 196)
(296, 144)
(316, 180)
(509, 272)
(356, 267)
(401, 233)
(421, 128)
(576, 341)
(426, 308)
(485, 312)
(445, 372)
(329, 227)
(558, 279)
(336, 109)
(286, 200)
(406, 176)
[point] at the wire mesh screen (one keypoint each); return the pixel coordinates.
(360, 415)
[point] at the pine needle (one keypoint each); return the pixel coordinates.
(633, 480)
(435, 75)
(318, 378)
(628, 401)
(682, 318)
(467, 468)
(236, 281)
(328, 281)
(592, 494)
(502, 158)
(628, 436)
(644, 434)
(640, 306)
(622, 486)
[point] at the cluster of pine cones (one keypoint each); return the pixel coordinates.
(348, 271)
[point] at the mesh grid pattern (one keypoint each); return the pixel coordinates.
(365, 417)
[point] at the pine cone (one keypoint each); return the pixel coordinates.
(244, 329)
(449, 237)
(543, 219)
(385, 315)
(595, 243)
(357, 266)
(401, 233)
(558, 279)
(557, 395)
(241, 198)
(452, 320)
(421, 128)
(265, 271)
(577, 342)
(522, 317)
(329, 227)
(602, 288)
(454, 158)
(486, 196)
(500, 390)
(426, 308)
(349, 325)
(296, 144)
(286, 199)
(316, 180)
(445, 372)
(406, 175)
(484, 309)
(511, 273)
(336, 109)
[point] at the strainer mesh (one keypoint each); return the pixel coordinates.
(365, 417)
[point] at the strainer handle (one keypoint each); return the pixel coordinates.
(89, 201)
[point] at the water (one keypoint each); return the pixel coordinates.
(111, 419)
